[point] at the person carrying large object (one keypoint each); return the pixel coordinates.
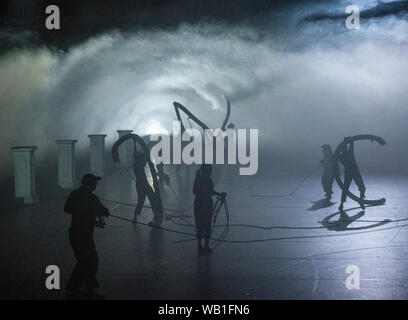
(345, 154)
(143, 188)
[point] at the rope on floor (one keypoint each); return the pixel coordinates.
(256, 240)
(287, 194)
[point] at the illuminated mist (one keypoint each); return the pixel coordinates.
(302, 84)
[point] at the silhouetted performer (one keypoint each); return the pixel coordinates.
(161, 175)
(87, 212)
(144, 189)
(351, 171)
(203, 205)
(328, 173)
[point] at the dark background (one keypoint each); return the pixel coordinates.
(94, 16)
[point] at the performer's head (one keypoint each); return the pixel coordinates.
(90, 181)
(327, 150)
(206, 169)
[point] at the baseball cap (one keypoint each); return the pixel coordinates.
(89, 177)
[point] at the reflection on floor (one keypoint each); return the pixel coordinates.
(277, 247)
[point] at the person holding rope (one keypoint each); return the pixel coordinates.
(87, 212)
(203, 206)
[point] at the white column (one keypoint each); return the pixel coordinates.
(66, 163)
(97, 154)
(24, 173)
(125, 150)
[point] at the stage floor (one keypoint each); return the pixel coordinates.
(304, 255)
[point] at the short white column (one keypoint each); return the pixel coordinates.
(66, 163)
(97, 154)
(125, 149)
(24, 173)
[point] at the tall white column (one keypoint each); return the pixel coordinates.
(66, 163)
(24, 173)
(125, 150)
(97, 154)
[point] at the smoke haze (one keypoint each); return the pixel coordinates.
(302, 83)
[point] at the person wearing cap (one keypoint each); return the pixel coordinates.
(328, 173)
(87, 212)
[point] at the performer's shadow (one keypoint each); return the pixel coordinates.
(345, 220)
(320, 204)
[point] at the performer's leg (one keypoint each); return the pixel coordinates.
(207, 231)
(347, 181)
(76, 281)
(330, 185)
(199, 228)
(154, 202)
(324, 183)
(141, 197)
(327, 182)
(359, 182)
(92, 262)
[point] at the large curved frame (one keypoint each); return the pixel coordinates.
(336, 168)
(137, 139)
(178, 106)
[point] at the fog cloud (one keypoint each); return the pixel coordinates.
(308, 84)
